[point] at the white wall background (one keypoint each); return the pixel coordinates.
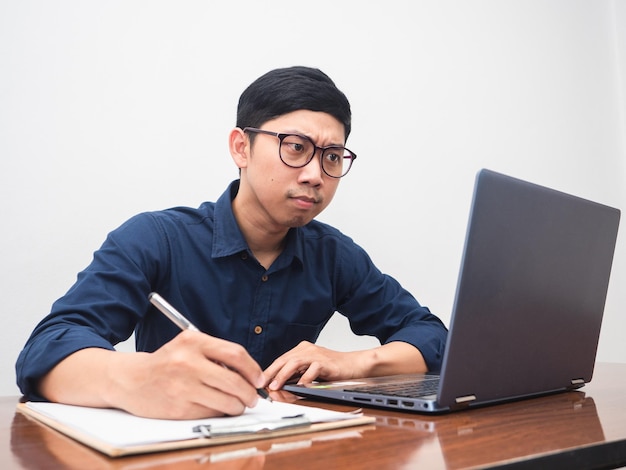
(112, 108)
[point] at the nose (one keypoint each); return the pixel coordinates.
(312, 172)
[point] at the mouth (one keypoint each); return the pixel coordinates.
(305, 202)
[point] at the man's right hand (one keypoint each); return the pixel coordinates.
(193, 376)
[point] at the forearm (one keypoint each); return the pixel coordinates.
(396, 357)
(89, 377)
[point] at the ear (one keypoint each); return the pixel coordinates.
(239, 146)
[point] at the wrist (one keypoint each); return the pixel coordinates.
(123, 373)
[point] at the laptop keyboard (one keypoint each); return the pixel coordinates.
(404, 389)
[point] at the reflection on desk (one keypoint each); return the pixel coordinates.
(579, 429)
(60, 451)
(485, 433)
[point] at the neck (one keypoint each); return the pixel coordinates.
(265, 244)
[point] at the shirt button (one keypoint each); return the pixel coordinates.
(244, 255)
(264, 278)
(258, 330)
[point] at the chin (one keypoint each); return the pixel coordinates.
(299, 221)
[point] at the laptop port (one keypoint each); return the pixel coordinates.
(408, 404)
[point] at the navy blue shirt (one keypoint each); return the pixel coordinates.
(198, 260)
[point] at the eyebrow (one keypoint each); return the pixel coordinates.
(296, 132)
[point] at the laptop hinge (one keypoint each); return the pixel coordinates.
(465, 399)
(578, 382)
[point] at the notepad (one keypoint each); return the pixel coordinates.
(116, 432)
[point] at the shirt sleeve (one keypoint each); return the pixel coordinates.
(377, 305)
(102, 308)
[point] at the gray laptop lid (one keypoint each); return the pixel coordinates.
(529, 302)
(531, 292)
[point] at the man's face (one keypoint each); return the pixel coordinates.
(288, 197)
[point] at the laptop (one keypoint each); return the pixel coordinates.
(528, 306)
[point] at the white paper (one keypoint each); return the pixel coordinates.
(121, 429)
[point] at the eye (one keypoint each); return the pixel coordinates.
(296, 145)
(333, 157)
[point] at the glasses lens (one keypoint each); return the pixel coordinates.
(296, 150)
(336, 161)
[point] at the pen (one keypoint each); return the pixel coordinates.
(179, 320)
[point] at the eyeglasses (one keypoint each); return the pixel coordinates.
(297, 151)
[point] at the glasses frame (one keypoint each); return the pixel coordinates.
(282, 136)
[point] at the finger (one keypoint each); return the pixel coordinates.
(193, 388)
(312, 373)
(231, 385)
(272, 371)
(235, 357)
(276, 370)
(225, 401)
(212, 402)
(289, 369)
(191, 347)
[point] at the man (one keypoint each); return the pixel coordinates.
(253, 271)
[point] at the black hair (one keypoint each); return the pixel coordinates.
(285, 90)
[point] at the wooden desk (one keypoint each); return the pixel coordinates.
(583, 429)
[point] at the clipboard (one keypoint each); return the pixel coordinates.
(94, 427)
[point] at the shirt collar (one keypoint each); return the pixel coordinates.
(228, 239)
